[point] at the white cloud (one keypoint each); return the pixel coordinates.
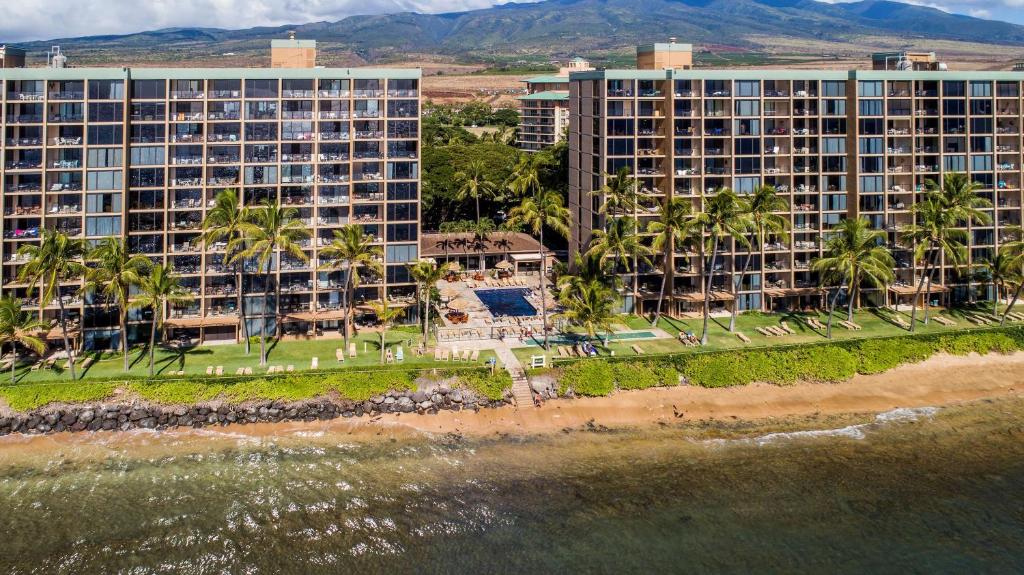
(49, 19)
(27, 20)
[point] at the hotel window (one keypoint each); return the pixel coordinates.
(872, 89)
(833, 202)
(953, 107)
(871, 107)
(872, 146)
(402, 212)
(401, 232)
(748, 108)
(871, 165)
(105, 157)
(746, 185)
(981, 163)
(748, 88)
(105, 135)
(401, 254)
(106, 180)
(872, 127)
(981, 107)
(981, 90)
(103, 226)
(833, 107)
(148, 90)
(747, 146)
(872, 184)
(981, 143)
(102, 203)
(955, 163)
(147, 156)
(106, 112)
(1007, 89)
(748, 165)
(747, 127)
(981, 125)
(833, 145)
(833, 89)
(261, 88)
(953, 89)
(402, 191)
(106, 90)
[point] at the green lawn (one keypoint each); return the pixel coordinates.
(873, 322)
(194, 361)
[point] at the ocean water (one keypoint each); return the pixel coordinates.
(926, 490)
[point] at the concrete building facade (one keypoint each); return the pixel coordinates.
(141, 153)
(835, 145)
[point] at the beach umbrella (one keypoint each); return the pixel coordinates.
(449, 292)
(454, 266)
(504, 265)
(458, 303)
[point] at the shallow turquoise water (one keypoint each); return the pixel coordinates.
(911, 492)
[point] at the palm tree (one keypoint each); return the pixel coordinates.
(589, 267)
(19, 327)
(1013, 248)
(1002, 271)
(473, 184)
(277, 231)
(535, 214)
(350, 250)
(619, 192)
(525, 178)
(426, 274)
(57, 258)
(229, 222)
(590, 307)
(937, 228)
(722, 216)
(854, 254)
(621, 241)
(161, 287)
(114, 276)
(762, 209)
(386, 316)
(672, 229)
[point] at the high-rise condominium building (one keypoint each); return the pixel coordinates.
(141, 153)
(544, 110)
(835, 144)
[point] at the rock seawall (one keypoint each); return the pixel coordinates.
(138, 415)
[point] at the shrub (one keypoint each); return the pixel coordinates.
(978, 343)
(32, 396)
(177, 391)
(590, 378)
(629, 375)
(876, 356)
(483, 383)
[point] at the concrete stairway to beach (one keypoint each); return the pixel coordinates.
(520, 385)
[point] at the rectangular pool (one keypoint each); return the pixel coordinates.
(506, 302)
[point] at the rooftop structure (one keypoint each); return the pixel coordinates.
(11, 57)
(140, 154)
(835, 144)
(292, 53)
(905, 61)
(665, 56)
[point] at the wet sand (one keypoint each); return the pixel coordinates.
(939, 381)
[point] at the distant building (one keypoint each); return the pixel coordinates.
(292, 53)
(1018, 67)
(906, 61)
(11, 57)
(544, 111)
(474, 252)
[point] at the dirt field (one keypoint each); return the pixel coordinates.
(496, 90)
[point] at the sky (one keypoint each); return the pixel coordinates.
(42, 20)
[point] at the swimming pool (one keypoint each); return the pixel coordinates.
(507, 302)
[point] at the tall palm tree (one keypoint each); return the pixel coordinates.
(117, 271)
(722, 217)
(545, 210)
(385, 316)
(473, 184)
(619, 192)
(1013, 248)
(1001, 271)
(19, 328)
(589, 267)
(426, 274)
(525, 178)
(158, 289)
(855, 254)
(672, 229)
(937, 231)
(622, 244)
(277, 231)
(57, 258)
(590, 307)
(762, 209)
(230, 222)
(350, 250)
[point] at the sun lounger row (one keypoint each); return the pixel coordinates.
(688, 339)
(444, 354)
(816, 323)
(243, 371)
(772, 331)
(280, 369)
(944, 321)
(506, 282)
(850, 325)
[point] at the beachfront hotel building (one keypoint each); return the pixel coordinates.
(544, 110)
(835, 144)
(141, 153)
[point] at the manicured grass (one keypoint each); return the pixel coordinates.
(194, 361)
(875, 324)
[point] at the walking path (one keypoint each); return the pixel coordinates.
(520, 385)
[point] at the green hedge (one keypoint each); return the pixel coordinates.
(484, 383)
(817, 362)
(25, 397)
